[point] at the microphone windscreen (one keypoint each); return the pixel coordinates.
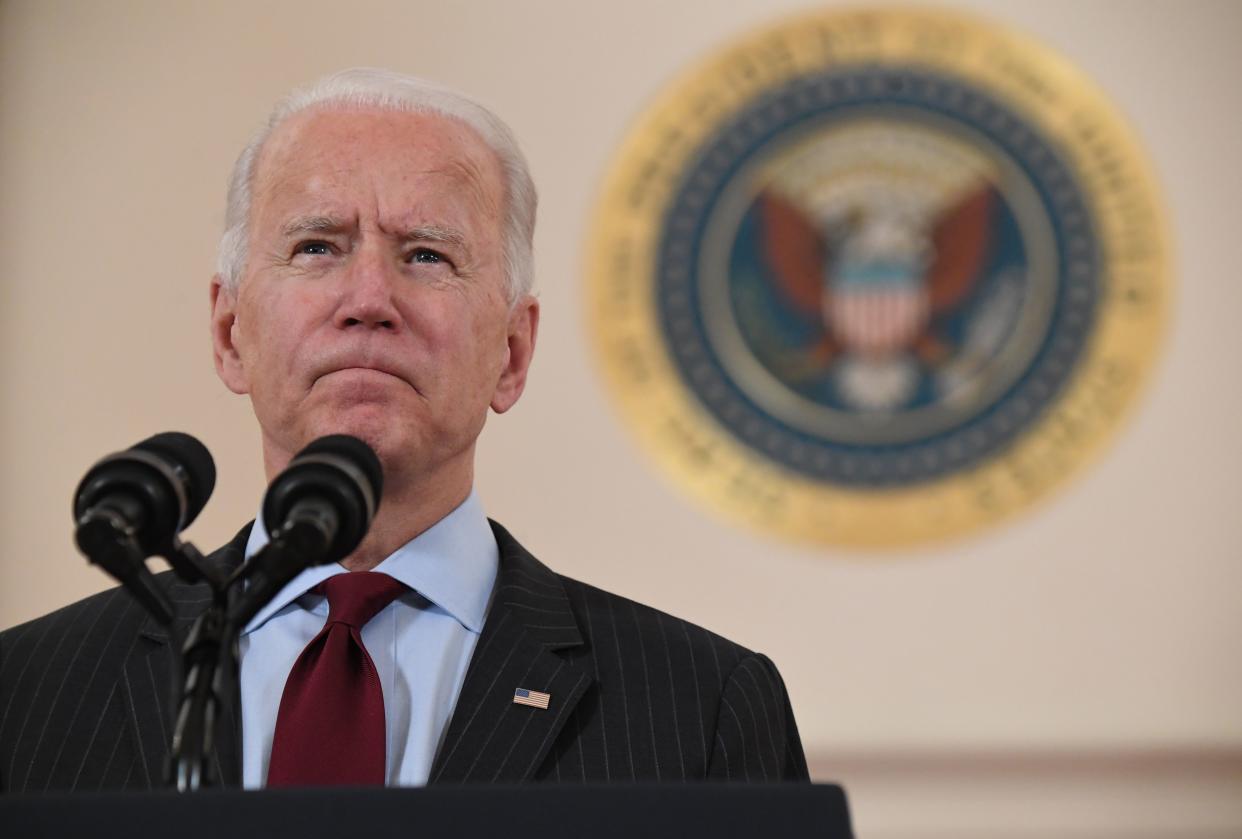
(358, 453)
(190, 457)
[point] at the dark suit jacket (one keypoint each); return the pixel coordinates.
(637, 695)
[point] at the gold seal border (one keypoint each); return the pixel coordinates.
(734, 481)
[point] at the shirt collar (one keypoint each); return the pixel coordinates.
(453, 564)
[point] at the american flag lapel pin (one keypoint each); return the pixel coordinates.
(533, 698)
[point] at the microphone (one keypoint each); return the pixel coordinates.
(317, 511)
(323, 503)
(133, 503)
(151, 491)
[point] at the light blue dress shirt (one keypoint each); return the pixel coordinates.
(421, 643)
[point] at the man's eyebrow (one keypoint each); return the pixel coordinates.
(313, 224)
(332, 224)
(435, 233)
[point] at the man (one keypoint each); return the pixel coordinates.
(374, 280)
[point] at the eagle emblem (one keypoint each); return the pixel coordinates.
(882, 281)
(880, 271)
(853, 285)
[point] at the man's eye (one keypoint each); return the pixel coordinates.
(313, 248)
(426, 257)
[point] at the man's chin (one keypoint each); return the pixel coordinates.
(378, 432)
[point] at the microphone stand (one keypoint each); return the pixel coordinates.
(204, 695)
(209, 654)
(206, 688)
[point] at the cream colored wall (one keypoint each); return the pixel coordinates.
(1103, 626)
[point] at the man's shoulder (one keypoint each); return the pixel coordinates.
(614, 625)
(76, 619)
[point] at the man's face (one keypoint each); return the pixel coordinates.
(373, 300)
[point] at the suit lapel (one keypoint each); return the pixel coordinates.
(150, 682)
(491, 738)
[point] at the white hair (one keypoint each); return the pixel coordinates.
(366, 87)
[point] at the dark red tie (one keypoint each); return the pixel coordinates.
(330, 727)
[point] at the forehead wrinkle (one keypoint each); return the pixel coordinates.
(476, 178)
(464, 171)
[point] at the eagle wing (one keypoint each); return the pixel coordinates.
(960, 239)
(796, 251)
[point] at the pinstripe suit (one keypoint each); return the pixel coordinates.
(636, 694)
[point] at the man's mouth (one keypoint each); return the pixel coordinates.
(361, 368)
(361, 373)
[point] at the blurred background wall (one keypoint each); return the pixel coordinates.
(1077, 672)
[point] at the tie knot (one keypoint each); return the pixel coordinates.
(356, 597)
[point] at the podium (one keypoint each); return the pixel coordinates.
(719, 811)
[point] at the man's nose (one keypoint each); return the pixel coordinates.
(369, 296)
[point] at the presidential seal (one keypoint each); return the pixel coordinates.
(878, 277)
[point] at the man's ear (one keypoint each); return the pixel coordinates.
(523, 327)
(229, 366)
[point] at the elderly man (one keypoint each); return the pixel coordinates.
(374, 279)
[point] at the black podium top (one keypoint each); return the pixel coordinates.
(719, 811)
